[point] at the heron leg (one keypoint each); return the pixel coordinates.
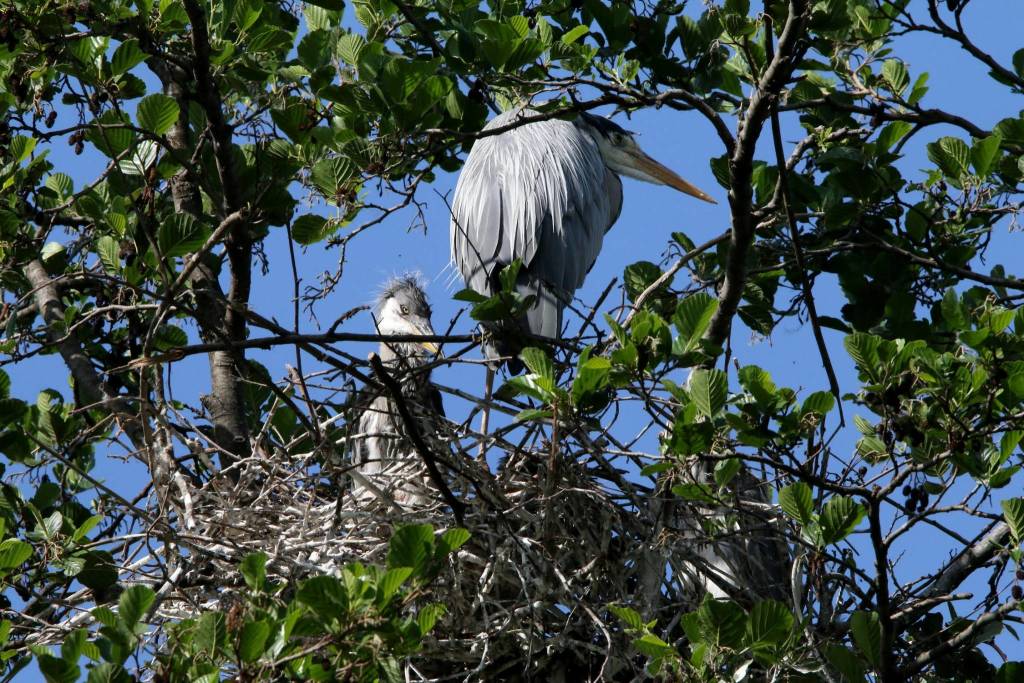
(485, 414)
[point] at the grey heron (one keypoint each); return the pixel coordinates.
(544, 192)
(386, 464)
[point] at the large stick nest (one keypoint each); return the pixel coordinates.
(556, 538)
(558, 533)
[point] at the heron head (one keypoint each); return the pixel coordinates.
(623, 155)
(402, 308)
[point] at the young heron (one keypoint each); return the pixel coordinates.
(387, 466)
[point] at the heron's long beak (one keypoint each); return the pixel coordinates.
(667, 176)
(429, 345)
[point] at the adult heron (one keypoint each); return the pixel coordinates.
(545, 192)
(386, 464)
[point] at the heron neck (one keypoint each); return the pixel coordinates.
(401, 355)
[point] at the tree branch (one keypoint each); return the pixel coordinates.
(774, 79)
(87, 381)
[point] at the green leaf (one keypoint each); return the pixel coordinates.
(350, 46)
(56, 670)
(85, 527)
(984, 152)
(310, 229)
(629, 616)
(919, 89)
(1000, 319)
(951, 155)
(53, 253)
(1018, 62)
(157, 113)
(840, 518)
(133, 603)
(71, 648)
(694, 491)
(895, 74)
(863, 348)
(451, 540)
(470, 295)
(722, 622)
(389, 584)
(769, 624)
(1010, 672)
(13, 552)
(592, 377)
(254, 570)
(953, 312)
(867, 634)
(61, 183)
(639, 276)
(533, 386)
(819, 403)
(109, 251)
(127, 55)
(169, 337)
(428, 616)
(726, 470)
(846, 662)
(252, 640)
(140, 160)
(574, 34)
(708, 389)
(652, 646)
(538, 362)
(797, 501)
(534, 415)
(108, 672)
(19, 148)
(508, 276)
(211, 634)
(411, 546)
(692, 317)
(1013, 511)
(105, 616)
(893, 133)
(325, 594)
(180, 235)
(759, 383)
(52, 524)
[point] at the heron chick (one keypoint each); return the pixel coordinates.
(387, 466)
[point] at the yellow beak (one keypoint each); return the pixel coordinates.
(668, 176)
(425, 330)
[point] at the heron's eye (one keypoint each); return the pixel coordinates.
(617, 138)
(405, 310)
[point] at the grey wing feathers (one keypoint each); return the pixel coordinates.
(541, 193)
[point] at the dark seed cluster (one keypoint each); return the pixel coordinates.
(916, 498)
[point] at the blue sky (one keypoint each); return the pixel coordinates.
(684, 142)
